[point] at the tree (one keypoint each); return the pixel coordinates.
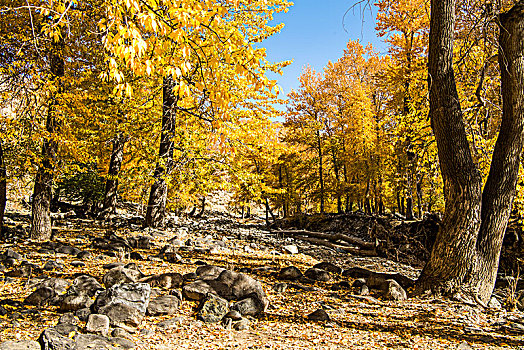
(465, 256)
(3, 188)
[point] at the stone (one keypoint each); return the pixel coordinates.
(319, 315)
(73, 302)
(135, 295)
(66, 329)
(289, 273)
(83, 314)
(280, 287)
(41, 297)
(53, 265)
(113, 265)
(227, 323)
(98, 324)
(20, 345)
(209, 272)
(464, 346)
(212, 309)
(177, 293)
(234, 315)
(163, 305)
(122, 315)
(250, 306)
(494, 303)
(241, 325)
(359, 282)
(329, 267)
(364, 290)
(67, 249)
(196, 290)
(240, 285)
(85, 284)
(121, 333)
(10, 253)
(78, 263)
(119, 275)
(318, 274)
(290, 249)
(164, 280)
(170, 323)
(50, 339)
(84, 255)
(135, 256)
(393, 291)
(68, 318)
(93, 341)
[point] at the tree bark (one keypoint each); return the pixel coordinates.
(320, 172)
(3, 189)
(156, 207)
(466, 253)
(43, 188)
(115, 164)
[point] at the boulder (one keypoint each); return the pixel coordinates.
(20, 345)
(318, 274)
(329, 267)
(68, 318)
(393, 291)
(92, 341)
(74, 302)
(50, 339)
(289, 273)
(98, 324)
(212, 309)
(164, 280)
(122, 315)
(85, 284)
(163, 305)
(135, 295)
(211, 272)
(241, 325)
(290, 249)
(197, 290)
(250, 306)
(119, 275)
(42, 296)
(318, 315)
(241, 285)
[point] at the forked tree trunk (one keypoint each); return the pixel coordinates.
(115, 164)
(466, 253)
(156, 206)
(3, 188)
(43, 189)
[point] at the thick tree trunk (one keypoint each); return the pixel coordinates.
(466, 253)
(156, 207)
(3, 188)
(115, 164)
(43, 189)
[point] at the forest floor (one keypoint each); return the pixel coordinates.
(356, 321)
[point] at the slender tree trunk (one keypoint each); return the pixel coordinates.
(419, 199)
(466, 253)
(115, 164)
(156, 206)
(43, 188)
(3, 188)
(202, 207)
(320, 172)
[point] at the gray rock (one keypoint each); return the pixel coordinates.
(121, 333)
(66, 329)
(318, 315)
(135, 295)
(290, 249)
(393, 291)
(206, 272)
(67, 249)
(359, 282)
(163, 305)
(234, 315)
(41, 297)
(98, 324)
(20, 345)
(50, 339)
(119, 275)
(250, 306)
(280, 287)
(122, 315)
(84, 255)
(364, 290)
(85, 284)
(53, 265)
(164, 280)
(494, 303)
(290, 273)
(227, 323)
(212, 309)
(318, 275)
(170, 323)
(68, 318)
(113, 265)
(73, 302)
(197, 290)
(177, 293)
(83, 314)
(78, 263)
(329, 267)
(464, 346)
(241, 325)
(92, 341)
(10, 253)
(146, 332)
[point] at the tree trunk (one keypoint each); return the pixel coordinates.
(115, 164)
(465, 255)
(320, 172)
(156, 206)
(43, 189)
(3, 189)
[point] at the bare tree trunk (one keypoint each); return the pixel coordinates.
(466, 253)
(3, 188)
(156, 207)
(43, 188)
(115, 164)
(320, 172)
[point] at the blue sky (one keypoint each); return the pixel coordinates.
(315, 32)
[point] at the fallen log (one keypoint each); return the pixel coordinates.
(343, 247)
(332, 237)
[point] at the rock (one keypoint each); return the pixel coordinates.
(289, 273)
(67, 249)
(121, 333)
(119, 275)
(73, 302)
(143, 242)
(135, 295)
(84, 255)
(3, 311)
(164, 280)
(146, 332)
(318, 315)
(122, 315)
(364, 290)
(190, 277)
(92, 341)
(196, 290)
(318, 275)
(250, 306)
(206, 272)
(98, 324)
(359, 282)
(212, 309)
(177, 293)
(290, 249)
(68, 318)
(136, 256)
(23, 271)
(280, 287)
(393, 291)
(341, 285)
(356, 272)
(241, 286)
(329, 267)
(170, 323)
(241, 325)
(464, 346)
(66, 329)
(52, 265)
(494, 303)
(113, 265)
(163, 305)
(10, 253)
(50, 339)
(85, 284)
(41, 297)
(227, 323)
(83, 314)
(20, 345)
(234, 315)
(78, 263)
